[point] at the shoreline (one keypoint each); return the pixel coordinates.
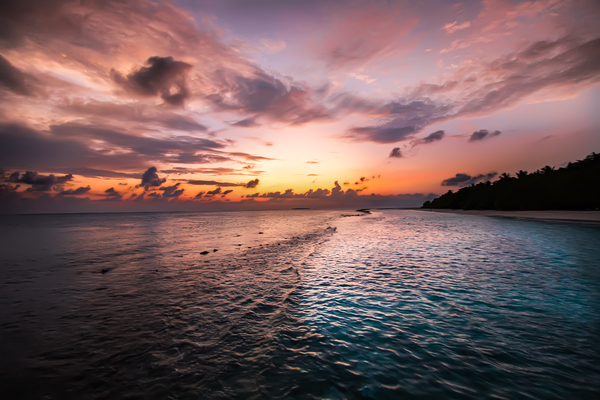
(548, 215)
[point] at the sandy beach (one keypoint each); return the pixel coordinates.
(552, 215)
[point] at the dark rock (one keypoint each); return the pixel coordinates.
(104, 270)
(215, 250)
(204, 253)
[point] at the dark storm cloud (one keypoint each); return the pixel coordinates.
(13, 79)
(252, 184)
(163, 76)
(39, 183)
(150, 179)
(75, 192)
(483, 134)
(396, 153)
(466, 180)
(263, 94)
(432, 137)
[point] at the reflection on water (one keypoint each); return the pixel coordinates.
(394, 304)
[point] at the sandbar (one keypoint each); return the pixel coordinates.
(551, 215)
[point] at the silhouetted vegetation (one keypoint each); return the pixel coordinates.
(574, 187)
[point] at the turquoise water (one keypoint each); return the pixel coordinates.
(298, 304)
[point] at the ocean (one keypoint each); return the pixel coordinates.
(298, 304)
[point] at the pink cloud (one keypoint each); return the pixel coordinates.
(455, 26)
(351, 45)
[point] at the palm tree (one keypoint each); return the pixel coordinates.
(522, 174)
(547, 169)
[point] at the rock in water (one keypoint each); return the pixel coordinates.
(204, 253)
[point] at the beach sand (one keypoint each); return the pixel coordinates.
(552, 215)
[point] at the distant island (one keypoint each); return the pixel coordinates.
(574, 187)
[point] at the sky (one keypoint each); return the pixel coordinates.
(246, 105)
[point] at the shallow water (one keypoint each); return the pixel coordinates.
(396, 304)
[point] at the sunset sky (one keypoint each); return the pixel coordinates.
(236, 104)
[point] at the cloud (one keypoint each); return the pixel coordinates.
(75, 192)
(13, 79)
(432, 137)
(199, 195)
(163, 76)
(170, 149)
(142, 114)
(150, 179)
(249, 122)
(402, 121)
(250, 157)
(171, 191)
(452, 27)
(213, 183)
(337, 191)
(265, 95)
(213, 171)
(96, 173)
(396, 153)
(382, 134)
(212, 193)
(483, 134)
(319, 193)
(226, 192)
(273, 46)
(112, 195)
(102, 148)
(252, 184)
(348, 46)
(466, 180)
(479, 89)
(39, 183)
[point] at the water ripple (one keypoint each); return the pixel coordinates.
(396, 304)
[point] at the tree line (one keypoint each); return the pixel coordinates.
(574, 187)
